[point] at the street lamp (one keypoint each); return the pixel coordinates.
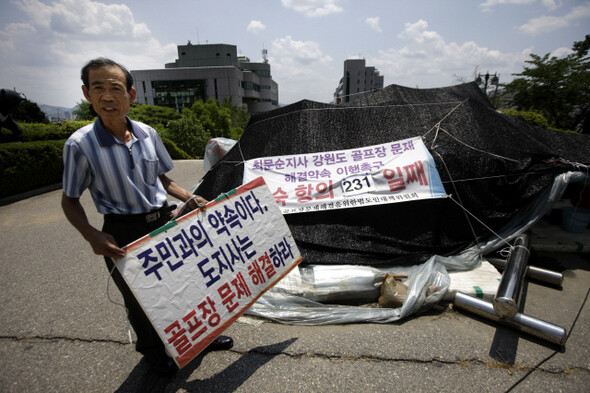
(494, 81)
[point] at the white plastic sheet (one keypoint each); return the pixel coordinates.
(304, 296)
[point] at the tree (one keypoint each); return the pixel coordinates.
(558, 88)
(29, 112)
(221, 120)
(84, 111)
(239, 118)
(581, 47)
(214, 119)
(188, 134)
(152, 114)
(533, 118)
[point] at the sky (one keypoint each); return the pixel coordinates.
(418, 43)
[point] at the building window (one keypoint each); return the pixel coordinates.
(179, 94)
(262, 73)
(250, 86)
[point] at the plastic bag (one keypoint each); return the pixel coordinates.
(215, 150)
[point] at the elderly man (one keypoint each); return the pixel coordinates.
(124, 164)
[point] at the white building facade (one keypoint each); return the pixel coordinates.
(358, 79)
(208, 71)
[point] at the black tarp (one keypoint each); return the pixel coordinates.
(491, 164)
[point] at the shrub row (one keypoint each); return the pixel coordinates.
(175, 152)
(531, 117)
(534, 118)
(29, 165)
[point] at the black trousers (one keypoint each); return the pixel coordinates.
(126, 231)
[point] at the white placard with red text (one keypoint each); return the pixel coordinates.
(392, 172)
(195, 276)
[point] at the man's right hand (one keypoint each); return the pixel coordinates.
(105, 244)
(101, 243)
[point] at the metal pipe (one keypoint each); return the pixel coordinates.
(521, 322)
(508, 294)
(533, 272)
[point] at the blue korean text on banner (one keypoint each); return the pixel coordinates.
(195, 276)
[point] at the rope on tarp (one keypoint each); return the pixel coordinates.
(365, 107)
(459, 202)
(437, 127)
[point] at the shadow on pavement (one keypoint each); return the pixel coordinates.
(562, 261)
(141, 381)
(228, 380)
(238, 372)
(505, 344)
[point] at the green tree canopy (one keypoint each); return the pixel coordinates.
(84, 111)
(239, 118)
(29, 112)
(581, 47)
(558, 88)
(152, 115)
(221, 120)
(188, 134)
(214, 119)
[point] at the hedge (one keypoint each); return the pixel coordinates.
(531, 117)
(175, 152)
(44, 132)
(29, 165)
(535, 119)
(38, 161)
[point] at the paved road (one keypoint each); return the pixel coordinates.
(61, 332)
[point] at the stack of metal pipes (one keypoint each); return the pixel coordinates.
(504, 309)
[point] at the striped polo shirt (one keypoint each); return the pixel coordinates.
(122, 178)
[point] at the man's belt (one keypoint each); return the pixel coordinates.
(148, 218)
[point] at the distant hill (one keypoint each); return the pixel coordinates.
(56, 113)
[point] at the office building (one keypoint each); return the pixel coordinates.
(357, 81)
(208, 71)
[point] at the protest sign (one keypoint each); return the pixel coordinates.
(195, 276)
(392, 172)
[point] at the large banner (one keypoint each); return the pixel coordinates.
(392, 172)
(195, 276)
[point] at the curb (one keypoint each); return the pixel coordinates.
(38, 191)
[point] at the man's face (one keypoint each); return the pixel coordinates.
(107, 92)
